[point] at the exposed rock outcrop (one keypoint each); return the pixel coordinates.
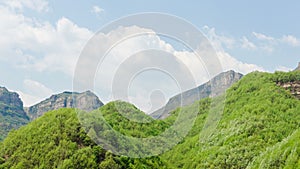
(12, 115)
(85, 101)
(293, 87)
(298, 68)
(214, 87)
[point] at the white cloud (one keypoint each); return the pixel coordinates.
(218, 41)
(33, 92)
(129, 47)
(283, 68)
(40, 46)
(291, 40)
(265, 43)
(19, 5)
(230, 63)
(36, 88)
(43, 47)
(271, 42)
(124, 51)
(61, 47)
(151, 103)
(247, 44)
(267, 48)
(28, 100)
(261, 36)
(97, 10)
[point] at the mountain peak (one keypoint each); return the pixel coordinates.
(298, 68)
(12, 114)
(3, 89)
(214, 87)
(8, 97)
(86, 101)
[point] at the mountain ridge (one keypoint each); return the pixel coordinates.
(12, 114)
(298, 68)
(214, 87)
(86, 101)
(259, 128)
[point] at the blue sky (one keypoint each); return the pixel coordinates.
(254, 35)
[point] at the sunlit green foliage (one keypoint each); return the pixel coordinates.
(283, 77)
(257, 115)
(284, 154)
(256, 127)
(128, 120)
(12, 115)
(57, 140)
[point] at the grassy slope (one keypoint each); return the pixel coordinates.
(57, 140)
(258, 128)
(257, 115)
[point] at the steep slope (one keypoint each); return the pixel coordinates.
(259, 128)
(12, 115)
(284, 154)
(298, 68)
(259, 118)
(107, 123)
(57, 140)
(289, 81)
(129, 120)
(86, 101)
(214, 87)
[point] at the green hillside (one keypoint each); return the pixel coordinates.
(57, 140)
(12, 115)
(259, 128)
(284, 154)
(123, 129)
(258, 116)
(128, 120)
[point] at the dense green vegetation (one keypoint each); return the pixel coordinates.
(9, 119)
(284, 154)
(259, 127)
(257, 116)
(283, 77)
(118, 127)
(12, 115)
(128, 120)
(57, 140)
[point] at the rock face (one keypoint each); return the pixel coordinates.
(12, 115)
(214, 87)
(298, 68)
(85, 101)
(293, 87)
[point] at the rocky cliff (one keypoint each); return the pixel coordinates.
(291, 84)
(85, 101)
(293, 87)
(12, 115)
(298, 68)
(214, 87)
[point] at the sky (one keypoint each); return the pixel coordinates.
(42, 40)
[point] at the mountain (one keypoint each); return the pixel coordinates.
(298, 68)
(12, 115)
(289, 81)
(258, 128)
(213, 88)
(285, 153)
(58, 140)
(86, 101)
